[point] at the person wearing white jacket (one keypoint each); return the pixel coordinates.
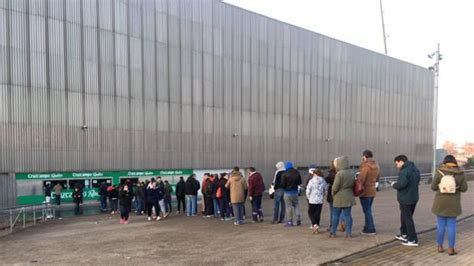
(315, 191)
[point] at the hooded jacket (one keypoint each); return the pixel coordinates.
(180, 189)
(237, 187)
(448, 204)
(407, 184)
(291, 179)
(191, 186)
(343, 195)
(369, 172)
(256, 185)
(278, 181)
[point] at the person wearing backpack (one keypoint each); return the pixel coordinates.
(208, 190)
(223, 195)
(447, 206)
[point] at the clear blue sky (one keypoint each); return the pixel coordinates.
(414, 28)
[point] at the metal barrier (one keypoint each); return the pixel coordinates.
(27, 215)
(385, 182)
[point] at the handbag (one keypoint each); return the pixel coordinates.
(219, 193)
(358, 187)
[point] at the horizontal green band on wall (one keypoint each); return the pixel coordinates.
(66, 196)
(112, 174)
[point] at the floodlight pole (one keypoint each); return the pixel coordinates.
(437, 58)
(383, 29)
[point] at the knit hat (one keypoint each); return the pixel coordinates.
(288, 165)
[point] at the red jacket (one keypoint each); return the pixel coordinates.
(256, 186)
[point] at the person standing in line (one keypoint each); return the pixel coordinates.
(237, 186)
(256, 187)
(278, 197)
(203, 188)
(191, 188)
(369, 173)
(330, 181)
(168, 191)
(125, 199)
(152, 195)
(161, 198)
(407, 196)
(180, 195)
(224, 201)
(447, 206)
(103, 196)
(215, 201)
(57, 193)
(315, 190)
(291, 182)
(343, 195)
(208, 190)
(47, 193)
(113, 197)
(140, 198)
(77, 199)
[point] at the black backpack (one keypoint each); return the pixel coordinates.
(208, 188)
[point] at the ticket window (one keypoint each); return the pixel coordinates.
(132, 179)
(81, 183)
(95, 183)
(62, 182)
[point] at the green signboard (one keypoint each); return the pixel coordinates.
(113, 174)
(66, 196)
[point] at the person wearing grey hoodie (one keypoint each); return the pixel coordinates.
(278, 198)
(343, 195)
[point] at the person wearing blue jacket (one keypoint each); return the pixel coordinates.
(407, 196)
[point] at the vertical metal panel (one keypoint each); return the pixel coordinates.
(167, 83)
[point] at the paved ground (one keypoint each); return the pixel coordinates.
(425, 254)
(101, 239)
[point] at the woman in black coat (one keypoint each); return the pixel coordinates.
(125, 198)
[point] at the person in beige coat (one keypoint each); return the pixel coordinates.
(237, 186)
(343, 195)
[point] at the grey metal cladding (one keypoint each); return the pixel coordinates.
(202, 84)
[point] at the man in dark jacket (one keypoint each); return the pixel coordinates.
(103, 196)
(278, 197)
(255, 192)
(152, 197)
(407, 196)
(291, 182)
(191, 188)
(77, 199)
(180, 194)
(140, 198)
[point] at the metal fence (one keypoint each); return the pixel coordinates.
(24, 216)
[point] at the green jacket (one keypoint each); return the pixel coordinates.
(342, 192)
(407, 184)
(448, 204)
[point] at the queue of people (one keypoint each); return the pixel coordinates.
(224, 196)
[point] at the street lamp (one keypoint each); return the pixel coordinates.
(436, 56)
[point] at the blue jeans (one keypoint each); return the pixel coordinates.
(279, 207)
(114, 204)
(450, 223)
(103, 202)
(217, 210)
(138, 205)
(346, 213)
(239, 211)
(257, 212)
(292, 208)
(366, 202)
(191, 205)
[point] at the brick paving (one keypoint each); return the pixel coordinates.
(426, 254)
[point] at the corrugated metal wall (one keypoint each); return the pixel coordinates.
(167, 84)
(7, 190)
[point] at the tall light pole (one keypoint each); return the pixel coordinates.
(436, 56)
(383, 29)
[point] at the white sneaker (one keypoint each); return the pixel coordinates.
(410, 243)
(149, 218)
(401, 237)
(158, 218)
